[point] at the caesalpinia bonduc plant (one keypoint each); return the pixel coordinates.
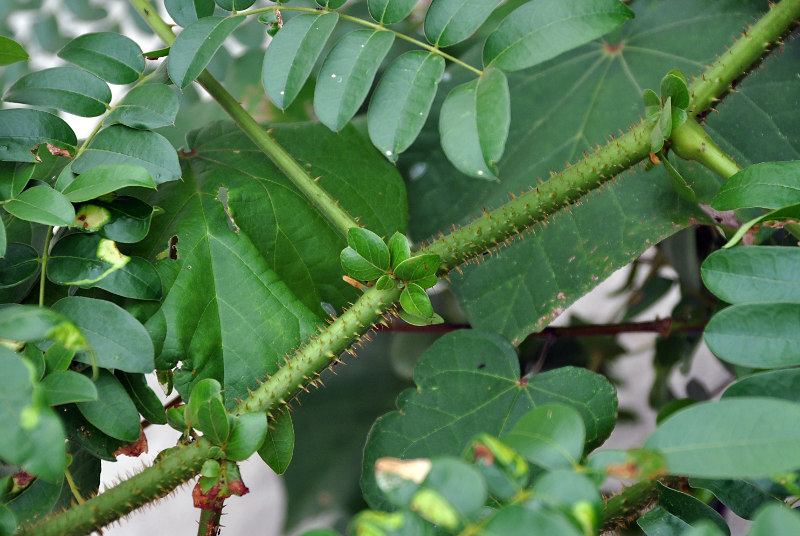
(388, 159)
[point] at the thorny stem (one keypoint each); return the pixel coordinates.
(210, 521)
(375, 26)
(168, 471)
(621, 509)
(335, 215)
(305, 364)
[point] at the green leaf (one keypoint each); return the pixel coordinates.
(419, 320)
(206, 411)
(146, 107)
(8, 521)
(11, 51)
(359, 267)
(42, 204)
(768, 185)
(87, 260)
(744, 498)
(86, 435)
(331, 4)
(775, 519)
(673, 86)
(36, 501)
(659, 522)
(420, 269)
(468, 382)
(415, 300)
(399, 249)
(114, 413)
(474, 123)
(783, 384)
(146, 401)
(758, 335)
(390, 11)
(753, 274)
(689, 509)
(517, 520)
(234, 5)
(104, 179)
(250, 282)
(292, 54)
(117, 339)
(278, 446)
(551, 436)
(28, 323)
(19, 263)
(119, 144)
(541, 30)
(128, 219)
(347, 73)
(678, 182)
(65, 88)
(14, 176)
(370, 246)
(185, 12)
(459, 483)
(401, 102)
(567, 488)
(196, 45)
(65, 386)
(22, 130)
(247, 436)
(38, 449)
(652, 103)
(448, 22)
(733, 438)
(3, 246)
(113, 57)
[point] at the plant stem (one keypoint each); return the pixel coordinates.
(304, 365)
(375, 26)
(72, 487)
(209, 521)
(168, 472)
(499, 226)
(335, 215)
(744, 53)
(45, 256)
(691, 142)
(623, 508)
(662, 326)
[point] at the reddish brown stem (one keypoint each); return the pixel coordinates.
(662, 326)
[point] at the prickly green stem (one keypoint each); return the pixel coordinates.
(690, 142)
(174, 468)
(558, 192)
(622, 509)
(285, 162)
(747, 50)
(302, 367)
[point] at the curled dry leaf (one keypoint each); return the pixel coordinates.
(135, 449)
(58, 151)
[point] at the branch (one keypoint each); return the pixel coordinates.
(662, 326)
(171, 469)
